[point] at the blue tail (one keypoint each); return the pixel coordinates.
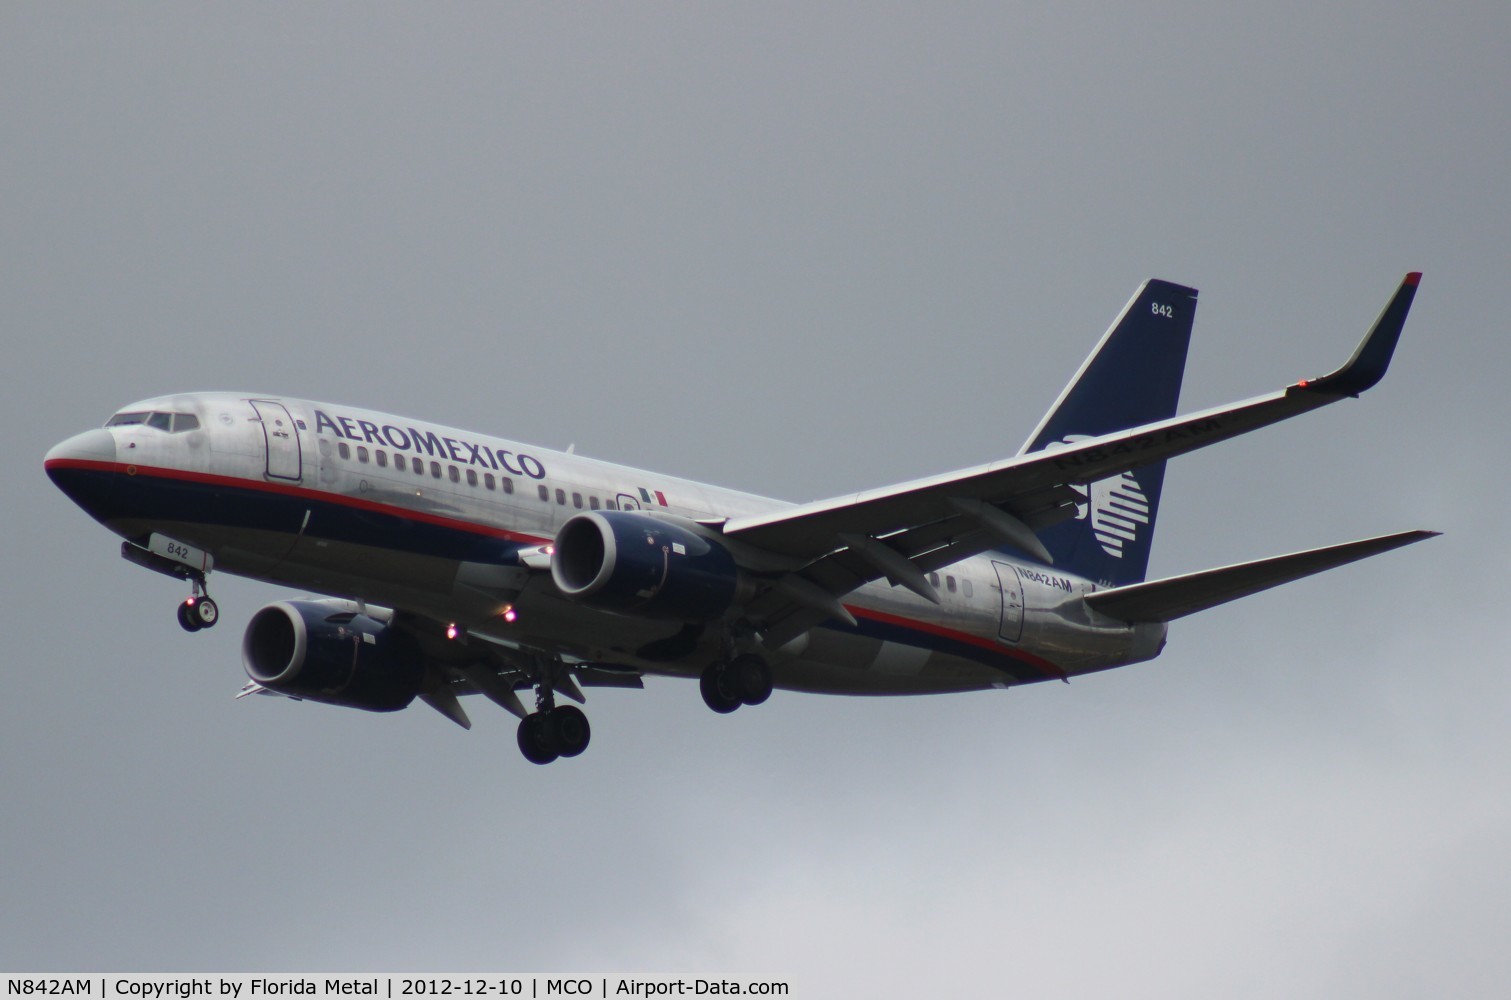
(1132, 377)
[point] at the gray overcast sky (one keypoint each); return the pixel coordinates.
(796, 249)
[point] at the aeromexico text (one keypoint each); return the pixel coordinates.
(430, 443)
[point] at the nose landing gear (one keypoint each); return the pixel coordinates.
(198, 611)
(183, 562)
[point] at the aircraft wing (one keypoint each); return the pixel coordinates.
(472, 662)
(902, 532)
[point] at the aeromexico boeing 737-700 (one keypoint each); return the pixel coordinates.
(459, 563)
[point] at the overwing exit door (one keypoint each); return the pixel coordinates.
(1011, 585)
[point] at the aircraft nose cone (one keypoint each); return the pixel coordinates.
(97, 445)
(83, 466)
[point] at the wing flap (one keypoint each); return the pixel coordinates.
(597, 675)
(1178, 596)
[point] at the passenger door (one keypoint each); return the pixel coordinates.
(281, 435)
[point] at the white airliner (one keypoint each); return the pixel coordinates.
(461, 563)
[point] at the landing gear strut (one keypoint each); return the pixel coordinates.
(552, 731)
(728, 684)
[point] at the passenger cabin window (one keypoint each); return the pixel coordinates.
(965, 585)
(561, 497)
(454, 473)
(577, 500)
(398, 462)
(593, 502)
(508, 484)
(344, 450)
(435, 470)
(471, 477)
(488, 480)
(545, 494)
(361, 453)
(611, 504)
(949, 584)
(382, 459)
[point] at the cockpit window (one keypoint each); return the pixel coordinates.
(173, 423)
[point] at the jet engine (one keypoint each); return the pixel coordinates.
(325, 652)
(632, 563)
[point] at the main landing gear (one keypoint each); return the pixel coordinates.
(552, 731)
(728, 684)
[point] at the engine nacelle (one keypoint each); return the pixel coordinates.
(321, 652)
(632, 563)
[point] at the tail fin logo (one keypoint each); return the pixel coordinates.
(1116, 506)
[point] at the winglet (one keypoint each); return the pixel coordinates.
(1372, 357)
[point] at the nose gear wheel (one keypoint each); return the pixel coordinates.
(198, 612)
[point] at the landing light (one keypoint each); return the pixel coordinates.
(508, 614)
(451, 631)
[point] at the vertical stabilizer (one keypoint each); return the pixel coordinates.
(1133, 377)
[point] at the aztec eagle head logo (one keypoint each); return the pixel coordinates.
(1116, 507)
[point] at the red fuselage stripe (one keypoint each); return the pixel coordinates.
(965, 637)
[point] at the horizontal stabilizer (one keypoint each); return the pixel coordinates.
(1178, 596)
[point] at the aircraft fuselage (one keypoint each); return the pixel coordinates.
(451, 524)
